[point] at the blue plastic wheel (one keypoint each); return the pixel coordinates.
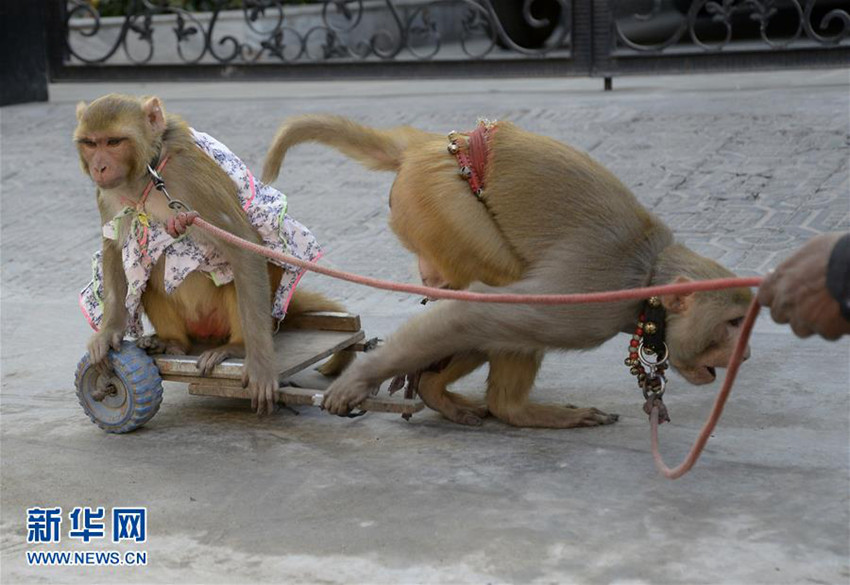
(124, 400)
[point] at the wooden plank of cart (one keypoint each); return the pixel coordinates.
(130, 396)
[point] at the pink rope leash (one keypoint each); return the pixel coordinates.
(581, 298)
(731, 372)
(462, 295)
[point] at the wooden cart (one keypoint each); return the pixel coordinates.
(130, 396)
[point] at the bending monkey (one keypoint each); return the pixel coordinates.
(193, 288)
(549, 220)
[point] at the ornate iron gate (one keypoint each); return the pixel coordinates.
(207, 39)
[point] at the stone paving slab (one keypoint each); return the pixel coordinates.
(744, 168)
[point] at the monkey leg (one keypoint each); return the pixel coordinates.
(508, 386)
(511, 336)
(235, 346)
(457, 408)
(212, 357)
(169, 325)
(444, 330)
(154, 345)
(434, 215)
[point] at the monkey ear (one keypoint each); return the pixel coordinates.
(81, 109)
(155, 114)
(680, 302)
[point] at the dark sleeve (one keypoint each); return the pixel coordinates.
(838, 275)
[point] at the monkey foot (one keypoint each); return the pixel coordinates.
(212, 357)
(431, 388)
(464, 416)
(457, 408)
(591, 417)
(154, 345)
(556, 417)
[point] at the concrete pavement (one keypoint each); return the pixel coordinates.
(743, 167)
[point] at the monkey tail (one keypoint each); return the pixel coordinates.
(308, 301)
(380, 150)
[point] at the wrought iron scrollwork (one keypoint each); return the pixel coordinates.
(268, 31)
(836, 15)
(725, 14)
(334, 29)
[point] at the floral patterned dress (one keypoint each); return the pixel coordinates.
(147, 242)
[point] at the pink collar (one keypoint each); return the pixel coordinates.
(150, 183)
(140, 204)
(473, 159)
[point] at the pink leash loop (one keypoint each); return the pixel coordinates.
(735, 361)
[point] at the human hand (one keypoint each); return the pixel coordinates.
(796, 291)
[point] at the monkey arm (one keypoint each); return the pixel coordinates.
(445, 330)
(114, 322)
(253, 291)
(195, 176)
(115, 288)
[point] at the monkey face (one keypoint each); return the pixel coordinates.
(117, 136)
(107, 159)
(702, 338)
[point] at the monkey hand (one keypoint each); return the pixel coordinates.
(347, 392)
(177, 224)
(263, 384)
(99, 346)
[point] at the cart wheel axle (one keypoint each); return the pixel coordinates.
(124, 400)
